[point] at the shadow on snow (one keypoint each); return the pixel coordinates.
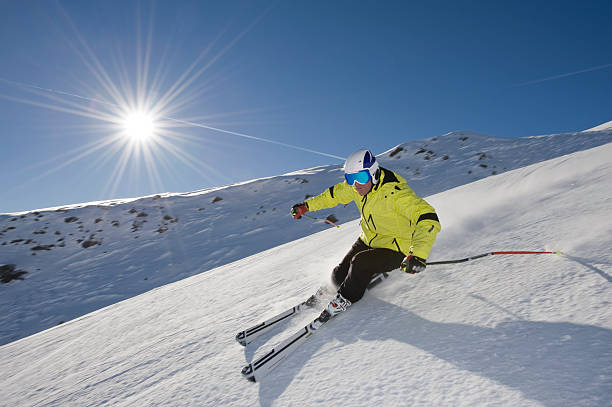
(554, 363)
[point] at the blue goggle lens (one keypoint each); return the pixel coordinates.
(361, 177)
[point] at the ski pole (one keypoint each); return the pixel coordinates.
(324, 220)
(558, 253)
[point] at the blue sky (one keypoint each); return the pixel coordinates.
(326, 76)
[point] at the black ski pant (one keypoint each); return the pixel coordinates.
(358, 267)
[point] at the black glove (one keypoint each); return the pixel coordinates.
(413, 264)
(298, 210)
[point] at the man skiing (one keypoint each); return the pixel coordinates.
(398, 228)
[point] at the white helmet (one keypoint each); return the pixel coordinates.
(362, 160)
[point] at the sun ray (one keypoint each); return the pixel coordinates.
(90, 149)
(66, 163)
(143, 67)
(117, 174)
(159, 156)
(62, 156)
(77, 110)
(150, 160)
(192, 162)
(118, 144)
(175, 89)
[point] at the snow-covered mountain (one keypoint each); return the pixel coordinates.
(602, 127)
(531, 330)
(76, 259)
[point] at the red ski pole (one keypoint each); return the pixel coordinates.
(558, 253)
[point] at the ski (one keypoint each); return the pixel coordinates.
(248, 335)
(259, 368)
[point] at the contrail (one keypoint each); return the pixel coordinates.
(58, 92)
(255, 138)
(595, 68)
(308, 150)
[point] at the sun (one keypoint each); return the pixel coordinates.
(139, 126)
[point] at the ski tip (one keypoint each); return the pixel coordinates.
(241, 338)
(249, 373)
(324, 317)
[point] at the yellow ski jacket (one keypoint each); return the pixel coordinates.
(392, 216)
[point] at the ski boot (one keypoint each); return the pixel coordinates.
(335, 306)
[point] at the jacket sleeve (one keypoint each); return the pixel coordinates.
(424, 237)
(423, 217)
(340, 193)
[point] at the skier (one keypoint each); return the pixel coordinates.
(398, 228)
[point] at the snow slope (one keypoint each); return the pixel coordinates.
(81, 258)
(502, 331)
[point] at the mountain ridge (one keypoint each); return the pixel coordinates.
(601, 136)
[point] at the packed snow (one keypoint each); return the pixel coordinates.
(528, 330)
(79, 258)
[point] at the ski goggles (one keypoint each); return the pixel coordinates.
(361, 177)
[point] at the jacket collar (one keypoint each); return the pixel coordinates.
(386, 176)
